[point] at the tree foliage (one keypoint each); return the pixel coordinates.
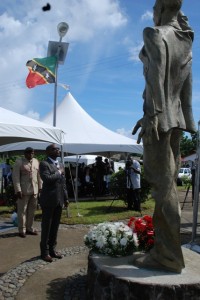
(188, 145)
(118, 185)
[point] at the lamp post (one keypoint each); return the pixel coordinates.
(58, 49)
(196, 188)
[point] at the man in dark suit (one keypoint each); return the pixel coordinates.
(53, 197)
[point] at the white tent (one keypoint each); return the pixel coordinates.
(83, 134)
(87, 159)
(16, 128)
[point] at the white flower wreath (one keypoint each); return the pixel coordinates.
(112, 239)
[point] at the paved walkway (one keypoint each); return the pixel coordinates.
(23, 275)
(40, 280)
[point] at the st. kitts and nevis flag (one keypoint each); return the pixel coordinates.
(41, 71)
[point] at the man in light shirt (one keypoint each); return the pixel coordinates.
(27, 184)
(133, 172)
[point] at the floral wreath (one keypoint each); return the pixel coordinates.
(119, 239)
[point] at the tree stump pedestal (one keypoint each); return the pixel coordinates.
(117, 278)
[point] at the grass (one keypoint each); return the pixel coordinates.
(92, 212)
(100, 211)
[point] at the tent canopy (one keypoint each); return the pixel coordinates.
(83, 135)
(87, 159)
(16, 128)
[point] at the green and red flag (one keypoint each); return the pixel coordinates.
(41, 71)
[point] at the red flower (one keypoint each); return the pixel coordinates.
(131, 221)
(150, 233)
(143, 227)
(150, 242)
(148, 219)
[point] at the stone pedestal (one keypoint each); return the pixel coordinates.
(116, 278)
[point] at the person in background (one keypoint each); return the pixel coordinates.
(88, 183)
(53, 196)
(108, 172)
(27, 185)
(9, 177)
(98, 171)
(133, 174)
(6, 170)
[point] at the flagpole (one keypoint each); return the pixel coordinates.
(56, 82)
(55, 93)
(58, 49)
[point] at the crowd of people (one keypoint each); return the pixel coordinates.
(93, 180)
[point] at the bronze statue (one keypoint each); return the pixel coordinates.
(167, 60)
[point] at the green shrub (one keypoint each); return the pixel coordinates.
(118, 185)
(186, 181)
(10, 196)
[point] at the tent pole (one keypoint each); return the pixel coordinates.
(62, 156)
(76, 184)
(76, 180)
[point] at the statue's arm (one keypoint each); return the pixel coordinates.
(155, 71)
(186, 103)
(154, 94)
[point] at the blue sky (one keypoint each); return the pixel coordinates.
(102, 66)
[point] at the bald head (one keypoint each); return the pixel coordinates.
(53, 151)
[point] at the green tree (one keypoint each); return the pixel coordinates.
(188, 145)
(118, 185)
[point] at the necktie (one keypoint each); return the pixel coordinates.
(57, 165)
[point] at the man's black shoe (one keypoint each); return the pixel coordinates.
(32, 232)
(47, 258)
(56, 255)
(22, 235)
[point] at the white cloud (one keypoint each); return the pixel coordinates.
(124, 132)
(148, 15)
(25, 31)
(127, 133)
(94, 18)
(14, 98)
(32, 114)
(134, 48)
(134, 52)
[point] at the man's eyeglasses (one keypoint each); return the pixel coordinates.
(55, 149)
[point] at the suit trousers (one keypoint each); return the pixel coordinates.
(49, 229)
(25, 212)
(133, 199)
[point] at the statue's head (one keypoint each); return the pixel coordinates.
(170, 7)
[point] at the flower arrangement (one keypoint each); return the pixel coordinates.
(143, 227)
(114, 239)
(118, 239)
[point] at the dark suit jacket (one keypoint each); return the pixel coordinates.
(54, 185)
